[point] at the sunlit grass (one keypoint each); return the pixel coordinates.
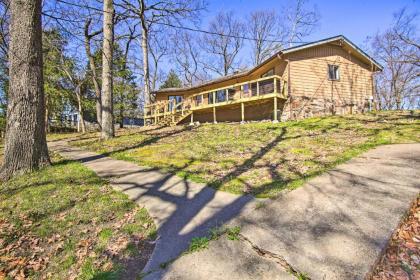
(63, 208)
(260, 158)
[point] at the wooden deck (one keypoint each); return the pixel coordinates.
(251, 92)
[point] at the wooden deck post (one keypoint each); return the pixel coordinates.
(275, 85)
(155, 116)
(242, 112)
(144, 115)
(275, 119)
(258, 88)
(192, 118)
(214, 114)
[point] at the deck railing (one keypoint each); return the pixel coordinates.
(272, 86)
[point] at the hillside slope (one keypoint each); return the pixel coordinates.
(258, 158)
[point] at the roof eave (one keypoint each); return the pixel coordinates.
(285, 51)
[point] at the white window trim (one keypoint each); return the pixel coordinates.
(338, 72)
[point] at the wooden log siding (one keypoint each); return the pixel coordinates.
(310, 74)
(314, 94)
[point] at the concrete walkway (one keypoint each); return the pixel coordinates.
(181, 209)
(333, 227)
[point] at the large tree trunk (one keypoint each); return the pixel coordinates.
(107, 110)
(92, 67)
(25, 144)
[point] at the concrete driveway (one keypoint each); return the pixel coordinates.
(333, 227)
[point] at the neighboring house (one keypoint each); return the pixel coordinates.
(330, 76)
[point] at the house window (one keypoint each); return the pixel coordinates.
(333, 72)
(268, 73)
(221, 95)
(254, 89)
(245, 88)
(198, 100)
(210, 97)
(176, 100)
(231, 93)
(266, 86)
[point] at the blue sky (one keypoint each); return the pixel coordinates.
(355, 19)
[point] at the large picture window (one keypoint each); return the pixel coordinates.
(177, 99)
(198, 100)
(333, 72)
(221, 95)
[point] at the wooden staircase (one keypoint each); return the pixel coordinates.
(174, 118)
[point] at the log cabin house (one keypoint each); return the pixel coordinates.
(330, 76)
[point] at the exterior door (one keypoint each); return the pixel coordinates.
(177, 98)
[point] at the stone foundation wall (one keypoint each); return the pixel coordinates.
(300, 107)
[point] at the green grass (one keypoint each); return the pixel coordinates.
(198, 244)
(258, 158)
(64, 218)
(233, 233)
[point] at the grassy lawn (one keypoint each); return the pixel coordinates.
(258, 158)
(64, 222)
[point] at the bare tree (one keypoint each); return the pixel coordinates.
(158, 48)
(107, 54)
(406, 31)
(26, 144)
(398, 86)
(224, 46)
(4, 42)
(4, 26)
(152, 13)
(264, 27)
(88, 37)
(188, 57)
(301, 20)
(77, 83)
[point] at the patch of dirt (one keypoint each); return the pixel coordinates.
(401, 260)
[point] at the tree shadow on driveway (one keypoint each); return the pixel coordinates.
(181, 209)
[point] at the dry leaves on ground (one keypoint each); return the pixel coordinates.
(401, 260)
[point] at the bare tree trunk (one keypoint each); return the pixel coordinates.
(92, 67)
(107, 110)
(25, 145)
(144, 46)
(80, 109)
(145, 49)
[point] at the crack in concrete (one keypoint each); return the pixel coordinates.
(273, 257)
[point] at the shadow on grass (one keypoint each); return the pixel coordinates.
(186, 210)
